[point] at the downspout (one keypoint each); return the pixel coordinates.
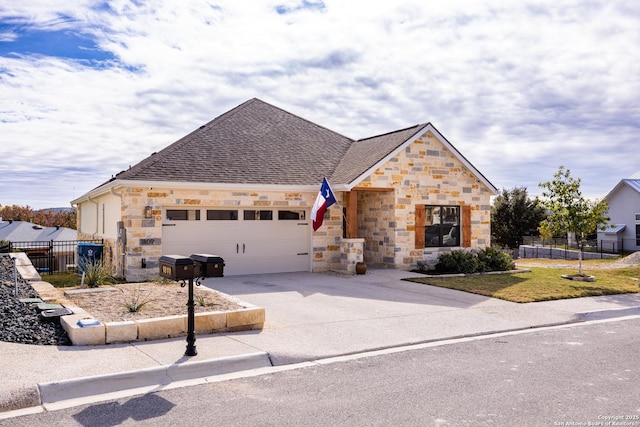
(123, 242)
(97, 215)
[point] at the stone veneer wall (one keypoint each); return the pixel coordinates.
(377, 225)
(144, 235)
(424, 173)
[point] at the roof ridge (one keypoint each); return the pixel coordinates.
(393, 131)
(635, 175)
(302, 118)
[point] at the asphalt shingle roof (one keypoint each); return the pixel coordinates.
(258, 143)
(365, 153)
(254, 143)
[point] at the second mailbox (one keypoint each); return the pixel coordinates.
(176, 267)
(207, 265)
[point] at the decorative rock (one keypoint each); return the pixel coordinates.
(20, 322)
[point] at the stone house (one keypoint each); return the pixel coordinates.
(242, 187)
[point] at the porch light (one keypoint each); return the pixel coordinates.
(147, 212)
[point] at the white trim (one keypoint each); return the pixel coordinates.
(108, 188)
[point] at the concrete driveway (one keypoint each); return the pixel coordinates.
(316, 315)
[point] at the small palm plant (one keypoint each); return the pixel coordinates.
(96, 273)
(137, 299)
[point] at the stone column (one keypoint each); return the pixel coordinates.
(351, 253)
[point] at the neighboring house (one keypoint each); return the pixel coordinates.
(624, 211)
(23, 231)
(33, 240)
(242, 187)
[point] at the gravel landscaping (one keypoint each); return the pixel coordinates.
(20, 322)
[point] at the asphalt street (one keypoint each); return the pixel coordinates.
(581, 374)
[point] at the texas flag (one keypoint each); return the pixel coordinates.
(323, 201)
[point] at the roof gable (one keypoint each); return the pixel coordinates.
(365, 156)
(634, 184)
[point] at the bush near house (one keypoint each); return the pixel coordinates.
(467, 262)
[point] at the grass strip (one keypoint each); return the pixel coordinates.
(541, 284)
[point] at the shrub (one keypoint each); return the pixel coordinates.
(96, 273)
(458, 262)
(492, 259)
(467, 262)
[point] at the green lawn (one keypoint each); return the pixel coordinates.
(68, 280)
(541, 284)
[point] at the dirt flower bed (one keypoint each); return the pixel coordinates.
(152, 300)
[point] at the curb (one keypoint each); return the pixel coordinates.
(55, 394)
(610, 313)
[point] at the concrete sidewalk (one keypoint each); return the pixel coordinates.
(309, 316)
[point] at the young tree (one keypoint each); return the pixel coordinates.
(514, 215)
(570, 211)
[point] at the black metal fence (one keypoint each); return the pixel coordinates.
(620, 247)
(54, 256)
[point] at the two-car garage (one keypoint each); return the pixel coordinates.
(251, 241)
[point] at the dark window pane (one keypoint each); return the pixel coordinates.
(442, 226)
(291, 215)
(222, 215)
(183, 214)
(251, 215)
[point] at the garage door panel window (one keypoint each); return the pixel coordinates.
(291, 215)
(222, 215)
(183, 214)
(251, 215)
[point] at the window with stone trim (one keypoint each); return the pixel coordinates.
(442, 226)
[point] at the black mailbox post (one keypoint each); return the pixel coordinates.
(178, 267)
(207, 265)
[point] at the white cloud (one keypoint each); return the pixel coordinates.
(518, 88)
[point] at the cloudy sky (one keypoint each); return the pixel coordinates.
(88, 88)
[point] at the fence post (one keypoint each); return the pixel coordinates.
(15, 276)
(600, 248)
(50, 257)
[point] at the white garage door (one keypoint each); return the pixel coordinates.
(249, 241)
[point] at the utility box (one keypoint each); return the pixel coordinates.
(176, 267)
(207, 265)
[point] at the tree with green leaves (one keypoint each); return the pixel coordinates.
(514, 215)
(570, 211)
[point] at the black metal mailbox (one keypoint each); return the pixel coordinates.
(207, 265)
(176, 267)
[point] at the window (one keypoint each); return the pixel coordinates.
(442, 226)
(637, 234)
(638, 217)
(222, 215)
(250, 215)
(436, 222)
(183, 214)
(291, 215)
